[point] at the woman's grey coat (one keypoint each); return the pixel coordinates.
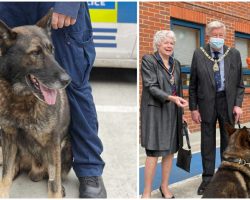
(156, 123)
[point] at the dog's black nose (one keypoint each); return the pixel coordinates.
(65, 79)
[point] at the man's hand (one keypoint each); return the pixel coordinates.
(60, 21)
(196, 117)
(180, 102)
(237, 111)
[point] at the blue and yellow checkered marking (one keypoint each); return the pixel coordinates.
(113, 12)
(105, 12)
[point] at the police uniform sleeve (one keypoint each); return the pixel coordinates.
(67, 8)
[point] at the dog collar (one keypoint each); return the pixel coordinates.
(238, 160)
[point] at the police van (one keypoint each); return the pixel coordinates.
(115, 33)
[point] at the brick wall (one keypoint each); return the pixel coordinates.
(156, 16)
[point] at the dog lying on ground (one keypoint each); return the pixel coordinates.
(34, 111)
(232, 180)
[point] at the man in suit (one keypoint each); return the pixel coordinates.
(216, 92)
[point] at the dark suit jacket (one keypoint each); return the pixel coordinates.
(202, 89)
(155, 114)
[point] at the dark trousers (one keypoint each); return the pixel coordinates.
(75, 52)
(208, 136)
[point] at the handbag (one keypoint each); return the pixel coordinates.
(184, 156)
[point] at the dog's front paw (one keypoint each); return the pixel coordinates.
(4, 191)
(55, 195)
(55, 190)
(4, 194)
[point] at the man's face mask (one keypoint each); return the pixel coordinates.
(216, 43)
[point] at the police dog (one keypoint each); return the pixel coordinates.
(232, 180)
(34, 111)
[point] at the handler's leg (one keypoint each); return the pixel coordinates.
(208, 151)
(86, 145)
(74, 49)
(223, 118)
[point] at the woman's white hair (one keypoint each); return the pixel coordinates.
(214, 25)
(160, 36)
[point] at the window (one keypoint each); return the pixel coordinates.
(242, 44)
(189, 36)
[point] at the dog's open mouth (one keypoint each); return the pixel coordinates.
(40, 90)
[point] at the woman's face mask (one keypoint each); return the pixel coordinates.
(216, 43)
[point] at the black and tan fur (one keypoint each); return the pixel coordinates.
(232, 180)
(35, 135)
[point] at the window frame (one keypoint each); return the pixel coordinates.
(243, 36)
(201, 28)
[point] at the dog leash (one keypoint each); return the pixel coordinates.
(239, 124)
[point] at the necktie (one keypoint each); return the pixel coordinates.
(217, 73)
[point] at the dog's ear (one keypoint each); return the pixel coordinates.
(45, 22)
(7, 37)
(229, 129)
(244, 138)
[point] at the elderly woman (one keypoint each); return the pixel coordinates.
(161, 110)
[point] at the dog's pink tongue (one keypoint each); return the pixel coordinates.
(49, 95)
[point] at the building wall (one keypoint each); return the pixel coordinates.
(156, 16)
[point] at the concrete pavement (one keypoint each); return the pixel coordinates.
(183, 189)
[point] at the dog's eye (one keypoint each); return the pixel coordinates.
(50, 48)
(35, 52)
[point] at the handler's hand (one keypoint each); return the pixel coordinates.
(237, 111)
(180, 102)
(196, 117)
(60, 20)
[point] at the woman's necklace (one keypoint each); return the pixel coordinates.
(171, 73)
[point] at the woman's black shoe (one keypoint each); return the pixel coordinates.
(164, 195)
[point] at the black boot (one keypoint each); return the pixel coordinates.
(202, 187)
(92, 187)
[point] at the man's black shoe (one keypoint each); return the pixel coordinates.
(202, 187)
(92, 187)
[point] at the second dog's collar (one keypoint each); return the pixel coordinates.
(240, 161)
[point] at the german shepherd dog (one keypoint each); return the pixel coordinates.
(232, 180)
(34, 111)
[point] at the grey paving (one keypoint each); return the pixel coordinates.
(183, 189)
